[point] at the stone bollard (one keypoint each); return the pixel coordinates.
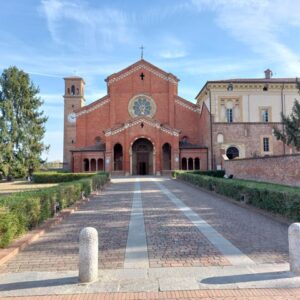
(294, 248)
(88, 255)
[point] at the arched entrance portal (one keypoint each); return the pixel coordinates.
(142, 157)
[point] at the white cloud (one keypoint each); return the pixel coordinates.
(90, 27)
(259, 24)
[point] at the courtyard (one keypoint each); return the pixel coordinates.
(157, 235)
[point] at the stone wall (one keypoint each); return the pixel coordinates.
(277, 169)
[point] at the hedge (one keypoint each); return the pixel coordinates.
(58, 177)
(20, 212)
(282, 200)
(213, 173)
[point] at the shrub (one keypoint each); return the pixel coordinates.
(277, 199)
(8, 226)
(58, 177)
(213, 173)
(20, 212)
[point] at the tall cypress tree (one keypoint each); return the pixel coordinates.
(291, 133)
(22, 123)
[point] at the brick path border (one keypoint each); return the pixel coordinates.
(258, 294)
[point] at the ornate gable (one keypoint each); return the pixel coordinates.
(139, 121)
(142, 64)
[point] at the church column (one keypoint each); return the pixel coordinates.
(154, 160)
(194, 164)
(126, 154)
(90, 166)
(97, 164)
(130, 160)
(158, 152)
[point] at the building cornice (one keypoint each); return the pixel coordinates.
(253, 86)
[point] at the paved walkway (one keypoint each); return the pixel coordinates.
(156, 234)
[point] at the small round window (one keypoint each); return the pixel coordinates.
(232, 152)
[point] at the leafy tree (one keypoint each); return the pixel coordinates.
(21, 123)
(291, 133)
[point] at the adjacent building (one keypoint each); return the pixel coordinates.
(243, 113)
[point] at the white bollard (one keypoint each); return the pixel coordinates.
(88, 255)
(294, 248)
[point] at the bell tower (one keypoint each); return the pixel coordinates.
(73, 100)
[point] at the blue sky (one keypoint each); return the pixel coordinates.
(196, 40)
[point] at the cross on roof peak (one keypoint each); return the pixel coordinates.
(142, 51)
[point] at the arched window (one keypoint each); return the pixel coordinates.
(183, 164)
(166, 149)
(100, 164)
(118, 157)
(232, 152)
(220, 138)
(93, 165)
(68, 91)
(190, 164)
(86, 165)
(197, 163)
(73, 90)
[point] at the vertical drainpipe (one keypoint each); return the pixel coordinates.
(211, 133)
(282, 87)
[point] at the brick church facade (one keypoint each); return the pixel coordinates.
(140, 127)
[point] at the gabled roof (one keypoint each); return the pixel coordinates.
(187, 104)
(186, 145)
(141, 64)
(92, 148)
(92, 106)
(138, 121)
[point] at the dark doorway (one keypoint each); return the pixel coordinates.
(166, 150)
(142, 157)
(118, 157)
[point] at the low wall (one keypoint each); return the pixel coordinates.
(283, 169)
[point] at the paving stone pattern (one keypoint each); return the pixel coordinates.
(57, 250)
(261, 238)
(173, 241)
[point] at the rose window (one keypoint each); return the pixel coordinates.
(142, 106)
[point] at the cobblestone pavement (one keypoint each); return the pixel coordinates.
(57, 250)
(181, 251)
(259, 237)
(173, 241)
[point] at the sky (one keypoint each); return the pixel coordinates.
(196, 40)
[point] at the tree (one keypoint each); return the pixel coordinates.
(291, 133)
(21, 123)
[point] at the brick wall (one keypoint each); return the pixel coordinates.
(276, 169)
